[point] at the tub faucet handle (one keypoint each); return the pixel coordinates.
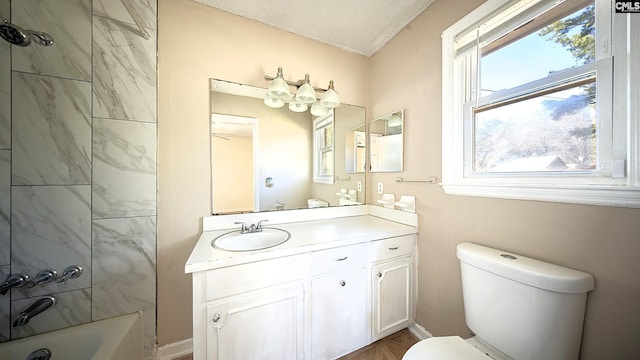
(14, 281)
(70, 272)
(43, 277)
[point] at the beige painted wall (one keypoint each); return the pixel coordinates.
(196, 43)
(603, 241)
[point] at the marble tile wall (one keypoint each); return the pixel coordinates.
(78, 162)
(124, 168)
(5, 207)
(124, 163)
(69, 22)
(5, 172)
(51, 139)
(5, 317)
(5, 83)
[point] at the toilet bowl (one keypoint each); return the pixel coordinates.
(444, 348)
(504, 293)
(453, 348)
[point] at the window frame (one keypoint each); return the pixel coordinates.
(619, 139)
(318, 124)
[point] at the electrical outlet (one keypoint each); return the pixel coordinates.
(359, 188)
(380, 188)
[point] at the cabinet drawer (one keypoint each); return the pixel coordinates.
(339, 258)
(242, 278)
(392, 247)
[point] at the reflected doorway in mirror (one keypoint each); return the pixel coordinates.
(234, 159)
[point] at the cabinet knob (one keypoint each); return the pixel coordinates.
(394, 247)
(342, 283)
(379, 274)
(216, 317)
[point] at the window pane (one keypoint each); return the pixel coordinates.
(518, 59)
(327, 136)
(551, 132)
(326, 165)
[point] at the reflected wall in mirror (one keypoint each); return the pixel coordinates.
(356, 151)
(386, 142)
(262, 158)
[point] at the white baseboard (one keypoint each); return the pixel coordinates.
(175, 350)
(419, 331)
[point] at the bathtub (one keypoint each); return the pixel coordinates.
(116, 338)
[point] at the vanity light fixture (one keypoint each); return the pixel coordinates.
(330, 99)
(306, 94)
(273, 101)
(318, 110)
(297, 106)
(278, 94)
(279, 87)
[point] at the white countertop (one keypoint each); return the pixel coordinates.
(306, 236)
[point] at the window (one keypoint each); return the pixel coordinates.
(323, 149)
(529, 110)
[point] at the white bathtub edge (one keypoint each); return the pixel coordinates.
(175, 350)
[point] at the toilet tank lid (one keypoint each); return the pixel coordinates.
(526, 270)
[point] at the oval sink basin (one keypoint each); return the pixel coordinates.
(235, 241)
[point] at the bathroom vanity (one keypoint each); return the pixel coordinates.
(344, 278)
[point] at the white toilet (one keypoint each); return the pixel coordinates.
(517, 307)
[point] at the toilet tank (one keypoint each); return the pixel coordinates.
(526, 308)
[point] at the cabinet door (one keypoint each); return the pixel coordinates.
(264, 324)
(338, 313)
(392, 293)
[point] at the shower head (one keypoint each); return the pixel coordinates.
(17, 36)
(14, 34)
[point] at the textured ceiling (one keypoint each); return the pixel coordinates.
(359, 26)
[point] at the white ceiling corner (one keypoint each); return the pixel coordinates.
(361, 27)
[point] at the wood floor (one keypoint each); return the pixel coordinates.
(391, 347)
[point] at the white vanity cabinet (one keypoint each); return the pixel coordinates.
(392, 285)
(250, 311)
(339, 301)
(335, 286)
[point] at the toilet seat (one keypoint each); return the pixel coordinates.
(444, 348)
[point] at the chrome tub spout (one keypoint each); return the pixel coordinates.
(14, 281)
(36, 308)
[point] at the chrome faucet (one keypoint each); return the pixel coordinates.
(36, 308)
(14, 281)
(43, 277)
(259, 225)
(253, 228)
(71, 272)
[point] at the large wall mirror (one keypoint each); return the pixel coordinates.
(386, 142)
(262, 159)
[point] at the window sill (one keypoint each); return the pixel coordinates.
(618, 196)
(328, 181)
